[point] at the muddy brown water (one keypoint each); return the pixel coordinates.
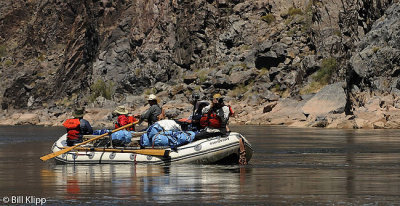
(290, 166)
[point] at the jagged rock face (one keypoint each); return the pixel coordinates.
(253, 51)
(376, 62)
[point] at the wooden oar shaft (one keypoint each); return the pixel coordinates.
(152, 152)
(55, 154)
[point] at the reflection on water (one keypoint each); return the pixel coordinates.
(142, 182)
(289, 166)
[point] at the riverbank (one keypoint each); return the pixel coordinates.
(326, 108)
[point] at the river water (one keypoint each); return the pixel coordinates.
(290, 166)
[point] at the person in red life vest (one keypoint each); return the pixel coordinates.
(123, 118)
(215, 119)
(77, 127)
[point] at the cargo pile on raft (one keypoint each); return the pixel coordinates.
(203, 138)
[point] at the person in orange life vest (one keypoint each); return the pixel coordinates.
(123, 118)
(77, 127)
(215, 118)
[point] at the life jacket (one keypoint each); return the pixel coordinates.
(124, 120)
(210, 119)
(131, 119)
(73, 127)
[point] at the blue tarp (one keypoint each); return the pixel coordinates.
(122, 135)
(156, 136)
(101, 131)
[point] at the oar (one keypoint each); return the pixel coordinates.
(152, 152)
(55, 154)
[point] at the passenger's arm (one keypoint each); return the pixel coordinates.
(147, 114)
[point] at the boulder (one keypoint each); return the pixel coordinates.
(379, 125)
(288, 109)
(28, 118)
(188, 79)
(310, 64)
(269, 107)
(243, 77)
(330, 99)
(269, 96)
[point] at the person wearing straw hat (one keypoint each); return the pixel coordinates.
(123, 118)
(153, 113)
(77, 127)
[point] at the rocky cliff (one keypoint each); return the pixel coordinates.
(296, 62)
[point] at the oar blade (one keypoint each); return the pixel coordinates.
(55, 154)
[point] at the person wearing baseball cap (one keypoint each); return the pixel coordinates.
(214, 119)
(153, 114)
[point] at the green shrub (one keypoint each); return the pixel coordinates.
(263, 71)
(67, 101)
(8, 63)
(338, 33)
(3, 51)
(241, 89)
(41, 57)
(292, 31)
(138, 71)
(243, 65)
(306, 23)
(203, 75)
(294, 11)
(269, 18)
(244, 47)
(375, 49)
(150, 91)
(313, 87)
(324, 74)
(197, 88)
(101, 88)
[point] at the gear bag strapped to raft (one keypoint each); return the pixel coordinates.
(156, 135)
(122, 137)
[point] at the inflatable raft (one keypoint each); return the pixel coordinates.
(216, 150)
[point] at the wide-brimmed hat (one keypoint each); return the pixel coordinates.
(152, 97)
(121, 110)
(78, 112)
(217, 96)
